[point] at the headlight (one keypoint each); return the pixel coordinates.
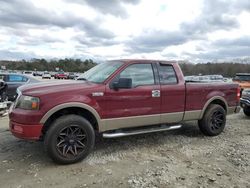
(28, 103)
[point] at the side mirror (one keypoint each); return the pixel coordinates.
(123, 83)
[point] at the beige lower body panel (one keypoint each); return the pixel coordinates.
(127, 122)
(137, 121)
(171, 117)
(192, 115)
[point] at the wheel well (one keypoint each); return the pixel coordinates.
(216, 101)
(71, 110)
(219, 102)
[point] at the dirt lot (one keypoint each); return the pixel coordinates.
(180, 158)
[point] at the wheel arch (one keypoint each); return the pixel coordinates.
(83, 110)
(214, 100)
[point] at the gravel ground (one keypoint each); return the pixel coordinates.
(180, 158)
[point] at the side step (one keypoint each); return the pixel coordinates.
(122, 133)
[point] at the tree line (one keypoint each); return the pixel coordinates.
(68, 65)
(224, 69)
(78, 65)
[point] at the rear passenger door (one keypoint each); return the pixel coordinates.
(172, 94)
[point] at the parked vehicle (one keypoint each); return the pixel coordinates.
(3, 91)
(118, 98)
(3, 98)
(243, 79)
(72, 76)
(197, 79)
(46, 75)
(14, 81)
(205, 78)
(245, 101)
(52, 74)
(61, 75)
(37, 73)
(215, 78)
(28, 73)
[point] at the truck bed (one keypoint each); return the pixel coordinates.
(198, 95)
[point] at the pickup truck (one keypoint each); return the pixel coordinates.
(118, 98)
(243, 79)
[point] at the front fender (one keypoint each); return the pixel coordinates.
(68, 105)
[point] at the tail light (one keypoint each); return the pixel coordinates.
(238, 94)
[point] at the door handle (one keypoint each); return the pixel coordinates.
(156, 93)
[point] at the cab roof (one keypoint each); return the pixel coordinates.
(145, 61)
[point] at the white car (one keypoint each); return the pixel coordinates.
(46, 75)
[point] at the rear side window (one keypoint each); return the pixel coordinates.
(141, 74)
(17, 78)
(167, 74)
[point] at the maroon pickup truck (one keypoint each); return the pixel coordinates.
(118, 98)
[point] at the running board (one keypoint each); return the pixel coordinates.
(122, 133)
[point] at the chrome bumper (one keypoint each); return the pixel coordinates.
(244, 102)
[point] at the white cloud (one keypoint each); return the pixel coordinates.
(122, 29)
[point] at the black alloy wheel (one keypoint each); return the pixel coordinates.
(217, 120)
(69, 139)
(213, 121)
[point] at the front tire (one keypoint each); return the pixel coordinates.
(69, 139)
(246, 111)
(213, 121)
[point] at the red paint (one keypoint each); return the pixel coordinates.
(173, 96)
(199, 93)
(131, 102)
(30, 132)
(117, 103)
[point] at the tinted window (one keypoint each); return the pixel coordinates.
(17, 78)
(167, 74)
(141, 74)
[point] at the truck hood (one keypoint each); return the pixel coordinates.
(60, 87)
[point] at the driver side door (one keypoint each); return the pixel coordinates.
(135, 106)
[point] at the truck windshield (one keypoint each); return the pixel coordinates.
(100, 72)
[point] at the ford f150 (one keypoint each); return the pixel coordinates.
(118, 98)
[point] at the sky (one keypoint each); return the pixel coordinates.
(193, 30)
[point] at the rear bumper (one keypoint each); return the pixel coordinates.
(27, 132)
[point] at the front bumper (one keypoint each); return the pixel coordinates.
(244, 102)
(27, 132)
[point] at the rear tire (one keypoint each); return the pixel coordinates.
(213, 121)
(246, 111)
(69, 139)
